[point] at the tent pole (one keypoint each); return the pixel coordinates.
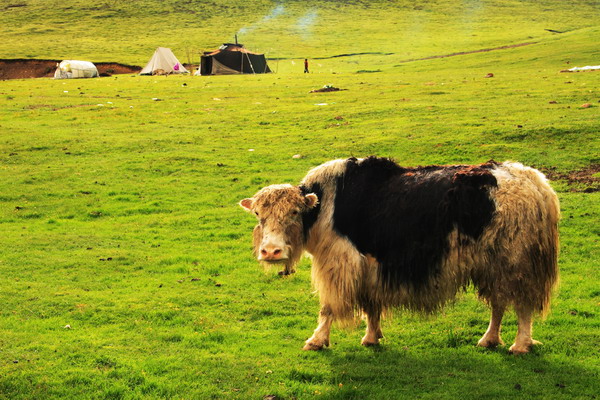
(251, 66)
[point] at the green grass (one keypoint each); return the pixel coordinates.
(119, 213)
(129, 31)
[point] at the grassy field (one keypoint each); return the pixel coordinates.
(125, 262)
(128, 32)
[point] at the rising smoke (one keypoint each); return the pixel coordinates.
(275, 12)
(305, 23)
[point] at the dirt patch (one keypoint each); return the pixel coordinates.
(582, 180)
(325, 89)
(462, 53)
(24, 68)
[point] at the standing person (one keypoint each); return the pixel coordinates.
(305, 66)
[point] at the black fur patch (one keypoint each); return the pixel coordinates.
(310, 217)
(402, 216)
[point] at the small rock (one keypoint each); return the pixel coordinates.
(553, 102)
(297, 156)
(490, 75)
(518, 386)
(67, 326)
(586, 105)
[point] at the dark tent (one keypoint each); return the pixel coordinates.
(233, 59)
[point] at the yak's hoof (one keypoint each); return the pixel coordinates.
(368, 343)
(517, 349)
(490, 343)
(315, 345)
(312, 347)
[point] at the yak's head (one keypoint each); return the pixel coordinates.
(279, 235)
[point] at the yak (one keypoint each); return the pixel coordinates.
(383, 237)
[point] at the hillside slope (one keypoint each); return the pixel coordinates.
(128, 32)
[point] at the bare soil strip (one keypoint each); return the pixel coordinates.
(25, 68)
(462, 53)
(585, 180)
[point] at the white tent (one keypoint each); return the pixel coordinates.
(75, 69)
(163, 62)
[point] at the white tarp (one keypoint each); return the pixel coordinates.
(163, 62)
(586, 68)
(75, 69)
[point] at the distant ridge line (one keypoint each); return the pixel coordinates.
(510, 46)
(461, 53)
(378, 53)
(336, 56)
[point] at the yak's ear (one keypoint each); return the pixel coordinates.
(246, 204)
(311, 200)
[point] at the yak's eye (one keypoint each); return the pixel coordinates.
(256, 212)
(295, 212)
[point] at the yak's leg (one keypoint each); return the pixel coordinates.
(373, 333)
(523, 341)
(491, 338)
(320, 337)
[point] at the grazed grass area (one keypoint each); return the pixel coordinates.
(129, 32)
(119, 219)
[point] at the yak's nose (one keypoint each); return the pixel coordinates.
(270, 253)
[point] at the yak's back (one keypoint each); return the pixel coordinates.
(403, 216)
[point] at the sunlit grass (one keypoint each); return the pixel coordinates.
(126, 263)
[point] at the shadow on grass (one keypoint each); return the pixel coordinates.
(462, 373)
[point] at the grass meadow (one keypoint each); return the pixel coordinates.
(125, 262)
